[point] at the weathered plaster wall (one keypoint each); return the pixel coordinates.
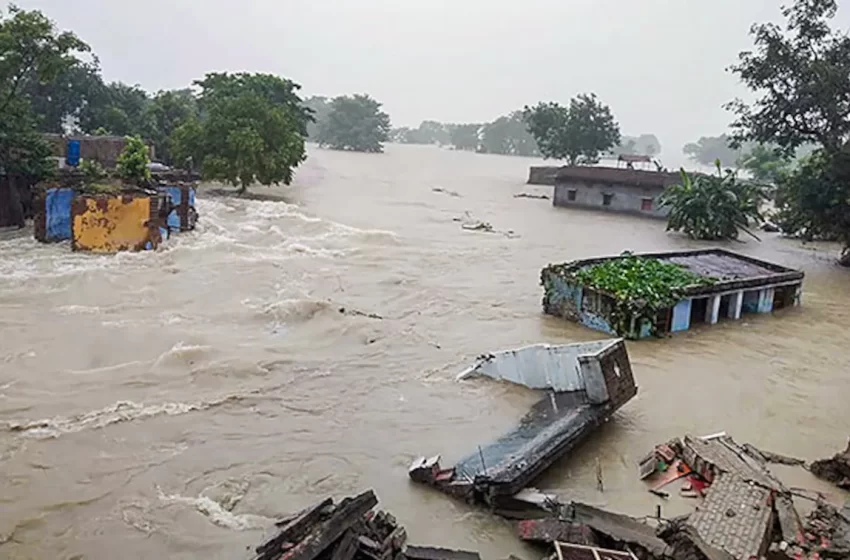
(542, 175)
(624, 198)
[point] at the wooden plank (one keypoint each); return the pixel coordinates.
(347, 513)
(346, 548)
(293, 529)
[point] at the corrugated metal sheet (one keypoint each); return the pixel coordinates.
(541, 366)
(107, 224)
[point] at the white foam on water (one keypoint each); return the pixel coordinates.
(121, 411)
(181, 354)
(217, 513)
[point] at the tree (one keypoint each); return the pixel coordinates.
(465, 136)
(250, 130)
(578, 133)
(801, 79)
(813, 199)
(166, 112)
(712, 207)
(58, 103)
(132, 165)
(32, 51)
(320, 108)
(508, 135)
(709, 149)
(121, 109)
(355, 123)
(766, 164)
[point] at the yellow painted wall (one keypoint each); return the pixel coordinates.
(106, 224)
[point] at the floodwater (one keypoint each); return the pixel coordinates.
(172, 404)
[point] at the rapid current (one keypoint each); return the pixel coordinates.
(172, 404)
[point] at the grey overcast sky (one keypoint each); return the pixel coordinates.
(659, 64)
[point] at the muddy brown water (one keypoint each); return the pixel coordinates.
(172, 404)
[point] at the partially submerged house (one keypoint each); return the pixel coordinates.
(629, 190)
(636, 296)
(589, 382)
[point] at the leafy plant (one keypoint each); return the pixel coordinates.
(132, 165)
(713, 207)
(639, 287)
(92, 171)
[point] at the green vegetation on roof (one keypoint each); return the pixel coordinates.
(647, 281)
(640, 287)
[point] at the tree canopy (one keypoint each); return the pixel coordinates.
(355, 123)
(578, 134)
(709, 149)
(801, 78)
(250, 130)
(32, 54)
(508, 135)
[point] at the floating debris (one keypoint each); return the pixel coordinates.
(591, 381)
(446, 191)
(349, 530)
(532, 195)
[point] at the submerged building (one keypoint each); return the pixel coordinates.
(628, 190)
(725, 286)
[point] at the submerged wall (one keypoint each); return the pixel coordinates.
(182, 216)
(112, 223)
(53, 215)
(543, 175)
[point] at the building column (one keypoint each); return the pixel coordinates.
(712, 310)
(766, 300)
(736, 305)
(681, 316)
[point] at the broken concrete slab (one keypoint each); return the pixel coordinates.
(736, 517)
(595, 380)
(433, 553)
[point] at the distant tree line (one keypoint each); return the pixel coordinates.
(519, 133)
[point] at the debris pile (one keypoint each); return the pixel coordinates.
(588, 383)
(349, 530)
(835, 470)
(744, 511)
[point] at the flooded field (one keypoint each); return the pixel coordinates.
(172, 404)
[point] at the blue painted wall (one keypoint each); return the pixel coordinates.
(57, 214)
(176, 198)
(682, 316)
(594, 321)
